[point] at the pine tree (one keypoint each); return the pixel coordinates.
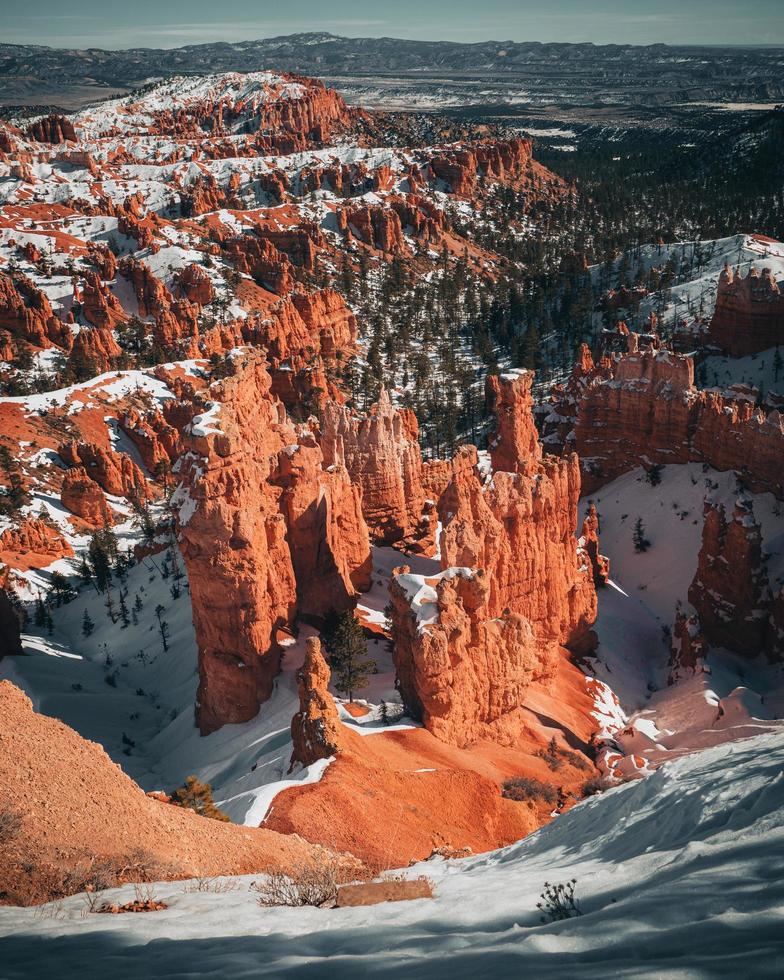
(197, 796)
(163, 627)
(61, 590)
(87, 624)
(349, 661)
(641, 543)
(40, 613)
(123, 610)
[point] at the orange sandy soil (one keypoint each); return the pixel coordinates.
(75, 802)
(355, 710)
(375, 802)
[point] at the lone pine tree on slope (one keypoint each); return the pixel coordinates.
(641, 543)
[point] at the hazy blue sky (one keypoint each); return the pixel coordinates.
(170, 23)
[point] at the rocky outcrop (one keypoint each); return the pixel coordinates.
(94, 351)
(749, 314)
(260, 259)
(589, 542)
(32, 544)
(643, 407)
(515, 585)
(196, 285)
(316, 727)
(382, 455)
(159, 443)
(287, 125)
(520, 529)
(100, 306)
(83, 497)
(374, 225)
(116, 473)
(25, 311)
(52, 129)
(503, 161)
(730, 590)
(460, 669)
(233, 540)
(731, 432)
(326, 531)
(152, 296)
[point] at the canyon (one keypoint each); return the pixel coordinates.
(203, 471)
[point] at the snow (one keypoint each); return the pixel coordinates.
(110, 386)
(678, 876)
(634, 704)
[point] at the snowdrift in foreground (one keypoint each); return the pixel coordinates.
(680, 875)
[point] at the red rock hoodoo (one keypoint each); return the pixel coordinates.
(515, 584)
(316, 730)
(730, 590)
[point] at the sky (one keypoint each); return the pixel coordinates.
(171, 23)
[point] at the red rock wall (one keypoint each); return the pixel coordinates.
(749, 314)
(643, 406)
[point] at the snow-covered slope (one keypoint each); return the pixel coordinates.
(678, 875)
(738, 696)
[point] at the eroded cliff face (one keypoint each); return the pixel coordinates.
(516, 584)
(266, 532)
(749, 314)
(233, 540)
(382, 455)
(643, 405)
(730, 590)
(33, 543)
(116, 473)
(326, 531)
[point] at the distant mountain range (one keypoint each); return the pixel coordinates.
(579, 73)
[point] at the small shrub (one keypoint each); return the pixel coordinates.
(10, 825)
(315, 884)
(594, 785)
(551, 755)
(558, 902)
(214, 884)
(555, 757)
(576, 760)
(526, 788)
